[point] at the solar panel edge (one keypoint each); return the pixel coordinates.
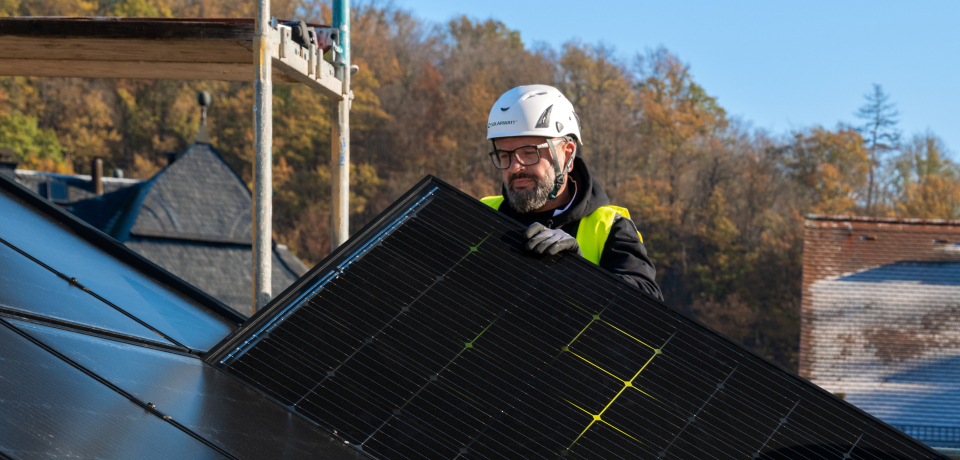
(389, 215)
(93, 331)
(306, 282)
(318, 275)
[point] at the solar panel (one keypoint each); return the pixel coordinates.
(51, 409)
(431, 335)
(211, 404)
(26, 287)
(62, 251)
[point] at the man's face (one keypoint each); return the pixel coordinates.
(519, 177)
(528, 187)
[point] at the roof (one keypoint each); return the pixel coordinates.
(76, 186)
(880, 319)
(194, 218)
(100, 353)
(223, 271)
(198, 197)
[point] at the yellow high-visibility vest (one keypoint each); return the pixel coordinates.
(593, 230)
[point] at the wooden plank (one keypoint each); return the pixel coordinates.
(131, 28)
(147, 48)
(134, 70)
(296, 67)
(131, 49)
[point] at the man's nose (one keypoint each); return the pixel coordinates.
(515, 165)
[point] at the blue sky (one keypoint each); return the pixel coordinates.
(776, 64)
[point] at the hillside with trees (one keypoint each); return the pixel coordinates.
(720, 205)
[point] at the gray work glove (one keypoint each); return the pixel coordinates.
(545, 241)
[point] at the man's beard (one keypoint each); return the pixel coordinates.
(525, 201)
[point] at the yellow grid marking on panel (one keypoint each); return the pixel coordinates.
(473, 249)
(594, 365)
(578, 307)
(628, 335)
(626, 383)
(597, 418)
(581, 332)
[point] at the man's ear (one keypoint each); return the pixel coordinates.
(568, 149)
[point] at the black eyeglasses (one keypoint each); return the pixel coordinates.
(527, 155)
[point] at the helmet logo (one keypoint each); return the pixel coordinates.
(544, 121)
(559, 126)
(500, 123)
(504, 109)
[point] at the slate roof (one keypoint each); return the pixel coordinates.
(198, 197)
(215, 269)
(880, 319)
(193, 218)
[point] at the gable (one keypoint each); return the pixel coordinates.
(198, 197)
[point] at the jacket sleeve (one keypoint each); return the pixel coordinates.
(625, 256)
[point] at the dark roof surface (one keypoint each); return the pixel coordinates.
(194, 219)
(881, 319)
(105, 212)
(223, 271)
(78, 186)
(198, 198)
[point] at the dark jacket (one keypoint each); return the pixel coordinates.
(623, 254)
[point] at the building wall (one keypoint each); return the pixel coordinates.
(880, 319)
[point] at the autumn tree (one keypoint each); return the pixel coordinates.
(927, 184)
(832, 166)
(879, 132)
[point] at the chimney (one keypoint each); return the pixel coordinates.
(204, 99)
(96, 175)
(171, 157)
(8, 163)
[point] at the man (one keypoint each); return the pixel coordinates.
(535, 131)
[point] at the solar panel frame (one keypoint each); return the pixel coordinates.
(772, 412)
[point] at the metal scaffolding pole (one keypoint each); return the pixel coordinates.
(340, 139)
(263, 173)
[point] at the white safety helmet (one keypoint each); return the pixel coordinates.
(534, 110)
(539, 111)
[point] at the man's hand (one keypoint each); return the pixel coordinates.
(544, 241)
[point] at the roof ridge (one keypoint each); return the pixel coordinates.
(882, 220)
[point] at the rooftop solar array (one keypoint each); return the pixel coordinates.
(431, 336)
(100, 356)
(43, 259)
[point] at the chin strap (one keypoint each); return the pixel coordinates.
(561, 173)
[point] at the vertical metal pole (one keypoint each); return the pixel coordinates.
(262, 176)
(340, 151)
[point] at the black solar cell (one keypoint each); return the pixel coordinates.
(430, 335)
